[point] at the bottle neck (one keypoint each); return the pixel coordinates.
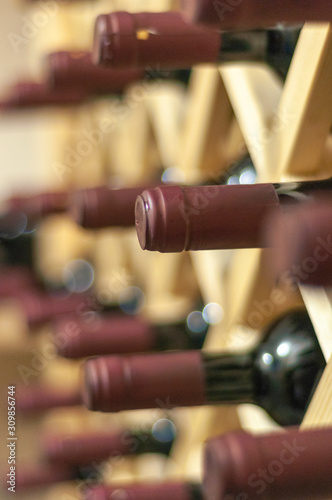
(229, 378)
(147, 443)
(290, 193)
(273, 46)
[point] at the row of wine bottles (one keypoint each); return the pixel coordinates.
(171, 218)
(280, 374)
(143, 46)
(237, 463)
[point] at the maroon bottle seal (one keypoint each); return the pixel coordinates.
(149, 39)
(29, 477)
(83, 449)
(173, 218)
(30, 94)
(100, 207)
(291, 465)
(40, 307)
(302, 243)
(39, 205)
(116, 383)
(39, 398)
(76, 70)
(74, 337)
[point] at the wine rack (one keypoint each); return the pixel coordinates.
(226, 111)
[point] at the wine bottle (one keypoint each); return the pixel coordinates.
(14, 278)
(37, 476)
(40, 397)
(114, 333)
(289, 465)
(75, 70)
(302, 246)
(175, 218)
(30, 94)
(36, 206)
(145, 491)
(251, 14)
(102, 206)
(94, 447)
(166, 40)
(39, 306)
(279, 375)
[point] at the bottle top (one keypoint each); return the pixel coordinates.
(28, 94)
(83, 449)
(39, 397)
(108, 334)
(146, 491)
(102, 206)
(116, 383)
(232, 465)
(251, 14)
(40, 307)
(75, 70)
(156, 40)
(14, 278)
(174, 218)
(301, 241)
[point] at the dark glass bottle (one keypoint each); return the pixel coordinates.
(93, 447)
(289, 465)
(279, 375)
(174, 218)
(253, 14)
(166, 40)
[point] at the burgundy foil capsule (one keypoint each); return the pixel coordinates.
(30, 477)
(249, 14)
(14, 279)
(111, 334)
(144, 491)
(40, 307)
(38, 205)
(292, 465)
(302, 243)
(87, 448)
(116, 383)
(174, 218)
(75, 70)
(38, 398)
(149, 39)
(32, 94)
(101, 207)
